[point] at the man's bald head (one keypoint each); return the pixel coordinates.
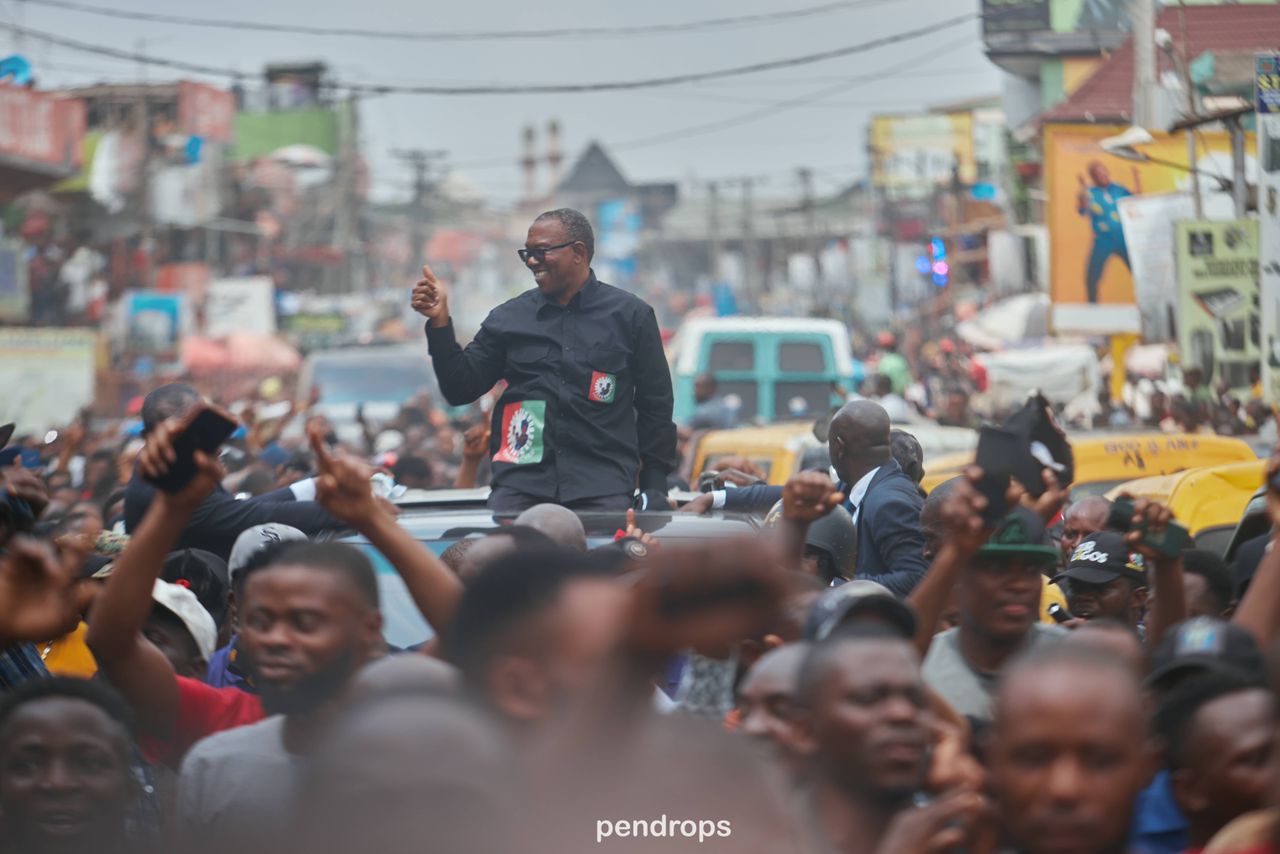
(859, 440)
(560, 524)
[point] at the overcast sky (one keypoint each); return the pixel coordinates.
(827, 135)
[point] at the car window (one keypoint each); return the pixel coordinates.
(402, 624)
(800, 399)
(801, 357)
(732, 356)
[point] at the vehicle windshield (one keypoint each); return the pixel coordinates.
(362, 381)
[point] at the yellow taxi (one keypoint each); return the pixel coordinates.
(778, 448)
(1210, 501)
(1103, 462)
(775, 448)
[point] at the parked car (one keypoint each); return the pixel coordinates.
(439, 518)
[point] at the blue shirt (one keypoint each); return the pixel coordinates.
(1158, 825)
(1104, 210)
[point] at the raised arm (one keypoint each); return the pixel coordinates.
(1169, 598)
(139, 670)
(344, 489)
(1259, 610)
(463, 375)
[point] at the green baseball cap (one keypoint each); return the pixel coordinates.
(1021, 534)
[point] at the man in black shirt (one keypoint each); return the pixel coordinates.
(586, 415)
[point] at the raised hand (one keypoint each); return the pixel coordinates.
(1150, 518)
(808, 496)
(39, 595)
(636, 533)
(344, 486)
(430, 298)
(475, 442)
(157, 455)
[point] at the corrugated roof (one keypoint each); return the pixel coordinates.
(1107, 96)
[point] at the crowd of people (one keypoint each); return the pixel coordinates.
(194, 658)
(872, 671)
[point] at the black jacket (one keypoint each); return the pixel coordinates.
(220, 518)
(890, 540)
(587, 408)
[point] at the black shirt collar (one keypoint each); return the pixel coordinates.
(579, 299)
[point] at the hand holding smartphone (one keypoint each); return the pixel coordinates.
(997, 449)
(204, 429)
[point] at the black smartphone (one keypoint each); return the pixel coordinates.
(1059, 613)
(1170, 542)
(207, 429)
(997, 449)
(1120, 517)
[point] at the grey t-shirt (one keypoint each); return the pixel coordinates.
(238, 780)
(971, 692)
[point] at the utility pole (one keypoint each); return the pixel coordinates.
(1184, 72)
(813, 241)
(752, 282)
(1144, 62)
(421, 162)
(713, 230)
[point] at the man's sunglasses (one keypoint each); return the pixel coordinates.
(539, 254)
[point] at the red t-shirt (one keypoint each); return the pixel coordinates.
(202, 711)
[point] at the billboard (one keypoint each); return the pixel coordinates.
(1086, 15)
(154, 322)
(1091, 278)
(48, 375)
(912, 156)
(240, 305)
(1014, 16)
(41, 127)
(1148, 223)
(1218, 322)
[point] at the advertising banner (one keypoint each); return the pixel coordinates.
(240, 305)
(154, 322)
(206, 111)
(1148, 230)
(1269, 249)
(1014, 16)
(619, 238)
(40, 127)
(1266, 83)
(1091, 279)
(912, 156)
(48, 376)
(1218, 323)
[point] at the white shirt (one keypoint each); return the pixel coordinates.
(859, 492)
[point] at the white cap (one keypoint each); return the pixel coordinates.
(254, 539)
(184, 605)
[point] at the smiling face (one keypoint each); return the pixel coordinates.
(560, 271)
(1117, 599)
(305, 632)
(65, 780)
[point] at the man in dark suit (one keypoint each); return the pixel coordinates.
(220, 517)
(883, 500)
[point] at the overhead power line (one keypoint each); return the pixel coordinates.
(770, 110)
(519, 88)
(523, 34)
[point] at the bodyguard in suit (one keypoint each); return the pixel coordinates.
(883, 500)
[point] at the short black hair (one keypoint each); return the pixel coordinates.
(506, 593)
(817, 664)
(881, 383)
(576, 226)
(906, 449)
(340, 558)
(413, 466)
(168, 401)
(202, 573)
(93, 691)
(1216, 574)
(1174, 717)
(453, 556)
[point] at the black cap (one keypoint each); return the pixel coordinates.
(201, 572)
(838, 604)
(1021, 534)
(1101, 558)
(836, 535)
(1205, 644)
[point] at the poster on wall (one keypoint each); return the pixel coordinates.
(1148, 223)
(1219, 328)
(1091, 269)
(240, 305)
(48, 375)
